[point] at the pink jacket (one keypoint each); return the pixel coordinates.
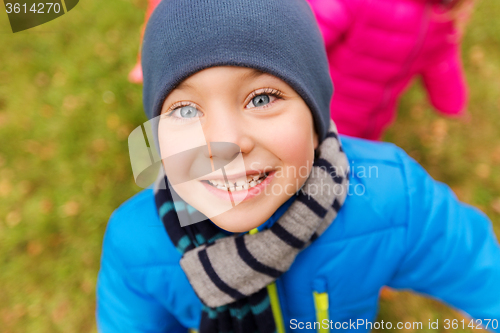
(375, 47)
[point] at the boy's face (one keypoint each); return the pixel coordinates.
(256, 126)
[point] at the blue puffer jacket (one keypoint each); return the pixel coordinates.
(398, 227)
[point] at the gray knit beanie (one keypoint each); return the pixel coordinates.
(279, 37)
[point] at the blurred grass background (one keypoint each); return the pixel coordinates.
(66, 110)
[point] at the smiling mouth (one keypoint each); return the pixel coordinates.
(238, 185)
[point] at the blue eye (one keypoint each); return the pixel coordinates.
(184, 113)
(260, 100)
(264, 98)
(188, 112)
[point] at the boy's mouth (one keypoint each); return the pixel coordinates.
(239, 184)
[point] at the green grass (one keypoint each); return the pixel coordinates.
(64, 164)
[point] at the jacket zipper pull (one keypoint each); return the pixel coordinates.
(321, 305)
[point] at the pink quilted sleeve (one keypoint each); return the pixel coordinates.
(446, 85)
(333, 17)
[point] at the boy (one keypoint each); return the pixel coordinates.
(324, 238)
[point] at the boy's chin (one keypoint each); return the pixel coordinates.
(238, 222)
(243, 218)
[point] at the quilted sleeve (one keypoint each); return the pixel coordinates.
(445, 84)
(452, 252)
(122, 304)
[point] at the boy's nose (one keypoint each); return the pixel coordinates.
(223, 153)
(228, 127)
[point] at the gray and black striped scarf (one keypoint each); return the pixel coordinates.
(229, 273)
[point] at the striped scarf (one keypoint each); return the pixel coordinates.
(229, 273)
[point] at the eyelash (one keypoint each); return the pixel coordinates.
(264, 91)
(177, 106)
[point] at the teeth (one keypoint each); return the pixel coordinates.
(239, 185)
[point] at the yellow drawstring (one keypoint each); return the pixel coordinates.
(276, 308)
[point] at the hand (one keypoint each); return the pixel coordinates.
(135, 75)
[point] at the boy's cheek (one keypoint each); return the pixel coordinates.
(294, 147)
(174, 141)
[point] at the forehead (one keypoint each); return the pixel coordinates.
(221, 74)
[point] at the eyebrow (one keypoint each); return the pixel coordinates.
(183, 85)
(255, 73)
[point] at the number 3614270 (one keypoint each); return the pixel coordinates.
(36, 8)
(473, 323)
